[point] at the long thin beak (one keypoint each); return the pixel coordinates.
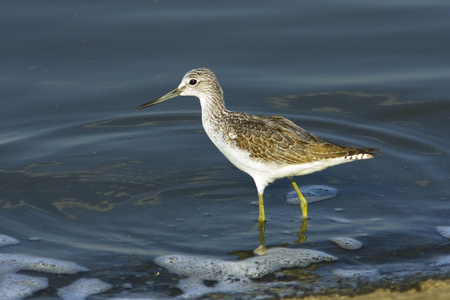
(175, 93)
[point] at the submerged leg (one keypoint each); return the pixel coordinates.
(262, 216)
(262, 231)
(302, 232)
(303, 203)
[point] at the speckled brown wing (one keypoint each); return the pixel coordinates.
(274, 138)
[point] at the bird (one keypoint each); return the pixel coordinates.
(265, 147)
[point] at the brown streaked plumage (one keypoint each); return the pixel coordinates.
(265, 147)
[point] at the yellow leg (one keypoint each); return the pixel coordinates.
(262, 216)
(303, 203)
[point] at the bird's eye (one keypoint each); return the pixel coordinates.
(193, 82)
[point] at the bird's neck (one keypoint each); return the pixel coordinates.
(213, 107)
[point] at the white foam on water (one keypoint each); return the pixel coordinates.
(444, 231)
(18, 286)
(16, 262)
(312, 193)
(83, 288)
(6, 268)
(235, 276)
(6, 240)
(347, 243)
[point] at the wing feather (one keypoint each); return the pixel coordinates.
(279, 139)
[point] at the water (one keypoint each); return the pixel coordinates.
(87, 177)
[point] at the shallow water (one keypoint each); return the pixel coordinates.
(87, 177)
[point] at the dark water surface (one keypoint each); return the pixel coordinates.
(87, 177)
